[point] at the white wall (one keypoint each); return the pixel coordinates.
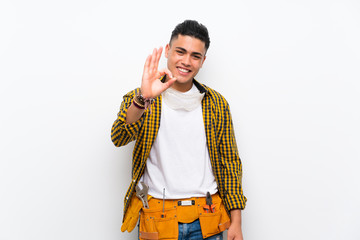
(290, 70)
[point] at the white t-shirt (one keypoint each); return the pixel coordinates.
(179, 159)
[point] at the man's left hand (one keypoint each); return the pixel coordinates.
(234, 231)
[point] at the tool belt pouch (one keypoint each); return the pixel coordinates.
(214, 222)
(156, 224)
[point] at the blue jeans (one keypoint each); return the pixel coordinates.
(192, 231)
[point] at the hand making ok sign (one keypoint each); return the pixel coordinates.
(151, 86)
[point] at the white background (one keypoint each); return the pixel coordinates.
(289, 69)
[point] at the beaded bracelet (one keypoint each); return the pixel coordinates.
(141, 102)
(137, 104)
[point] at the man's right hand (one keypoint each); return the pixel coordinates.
(151, 86)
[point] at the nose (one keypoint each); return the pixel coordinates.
(186, 60)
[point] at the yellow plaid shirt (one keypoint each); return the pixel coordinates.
(225, 160)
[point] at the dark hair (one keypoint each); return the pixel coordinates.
(193, 29)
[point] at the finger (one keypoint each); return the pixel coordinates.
(153, 60)
(169, 83)
(166, 71)
(158, 56)
(147, 63)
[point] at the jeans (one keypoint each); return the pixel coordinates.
(192, 231)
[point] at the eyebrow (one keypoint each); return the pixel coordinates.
(193, 53)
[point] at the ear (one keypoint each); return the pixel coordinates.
(203, 61)
(167, 47)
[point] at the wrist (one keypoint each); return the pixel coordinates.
(144, 94)
(235, 215)
(142, 102)
(138, 104)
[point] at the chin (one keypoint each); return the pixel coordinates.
(181, 79)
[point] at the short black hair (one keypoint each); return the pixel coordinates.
(193, 29)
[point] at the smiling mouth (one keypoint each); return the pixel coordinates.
(183, 70)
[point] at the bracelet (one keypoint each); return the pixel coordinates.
(143, 102)
(138, 105)
(138, 102)
(139, 99)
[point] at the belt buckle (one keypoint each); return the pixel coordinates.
(186, 203)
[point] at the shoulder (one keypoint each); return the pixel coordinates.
(214, 96)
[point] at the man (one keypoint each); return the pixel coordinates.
(185, 151)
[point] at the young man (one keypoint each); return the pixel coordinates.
(185, 151)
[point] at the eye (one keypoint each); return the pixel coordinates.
(196, 56)
(180, 52)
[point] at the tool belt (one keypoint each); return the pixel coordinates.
(160, 220)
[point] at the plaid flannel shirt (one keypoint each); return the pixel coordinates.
(224, 156)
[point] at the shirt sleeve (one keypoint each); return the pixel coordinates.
(232, 167)
(121, 132)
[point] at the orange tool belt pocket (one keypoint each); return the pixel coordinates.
(158, 224)
(213, 219)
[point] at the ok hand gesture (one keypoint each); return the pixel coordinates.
(151, 86)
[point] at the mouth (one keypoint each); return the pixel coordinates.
(183, 70)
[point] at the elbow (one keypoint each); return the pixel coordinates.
(116, 143)
(120, 140)
(115, 138)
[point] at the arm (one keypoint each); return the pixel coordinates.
(232, 166)
(235, 232)
(234, 198)
(129, 121)
(121, 132)
(151, 86)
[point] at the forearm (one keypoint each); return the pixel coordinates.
(128, 124)
(123, 132)
(133, 114)
(235, 231)
(236, 216)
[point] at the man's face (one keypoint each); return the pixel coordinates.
(186, 56)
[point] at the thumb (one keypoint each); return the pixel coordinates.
(169, 83)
